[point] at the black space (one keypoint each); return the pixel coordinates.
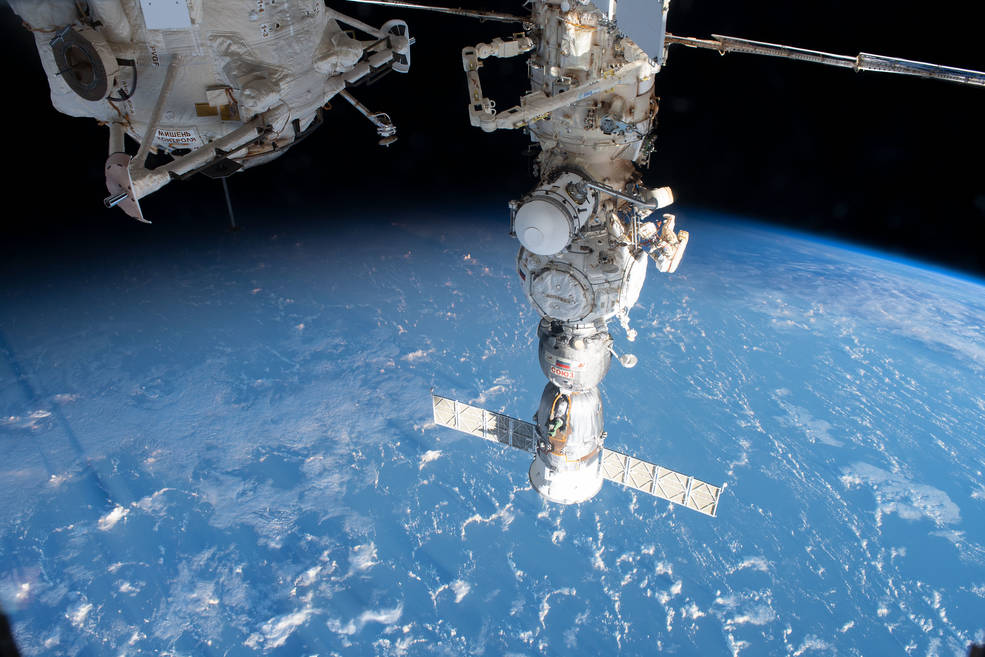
(891, 162)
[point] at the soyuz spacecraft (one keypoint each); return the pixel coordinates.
(215, 86)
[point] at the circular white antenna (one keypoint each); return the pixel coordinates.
(628, 360)
(542, 227)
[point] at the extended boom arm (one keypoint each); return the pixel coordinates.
(861, 62)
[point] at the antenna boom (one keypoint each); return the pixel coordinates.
(468, 13)
(861, 62)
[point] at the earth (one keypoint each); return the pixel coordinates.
(227, 449)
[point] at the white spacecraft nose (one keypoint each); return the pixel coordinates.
(543, 227)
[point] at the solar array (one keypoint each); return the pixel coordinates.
(660, 482)
(620, 468)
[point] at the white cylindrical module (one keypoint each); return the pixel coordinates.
(549, 217)
(543, 225)
(662, 196)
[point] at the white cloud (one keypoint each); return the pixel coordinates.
(799, 418)
(153, 503)
(362, 557)
(545, 604)
(427, 457)
(415, 356)
(812, 643)
(308, 577)
(485, 395)
(461, 589)
(757, 614)
(384, 616)
(275, 632)
(109, 520)
(752, 563)
(78, 615)
(503, 514)
(895, 493)
(751, 608)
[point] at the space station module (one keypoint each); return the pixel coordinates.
(213, 86)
